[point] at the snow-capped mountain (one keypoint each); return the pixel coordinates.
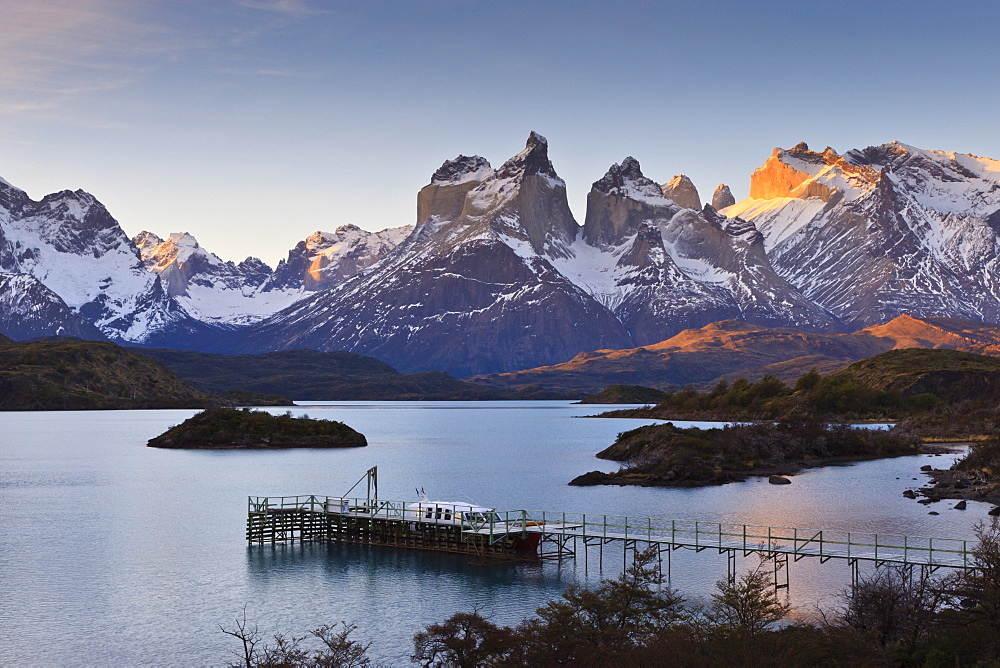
(228, 294)
(682, 192)
(326, 259)
(70, 243)
(499, 275)
(722, 197)
(211, 289)
(662, 268)
(29, 310)
(472, 288)
(875, 233)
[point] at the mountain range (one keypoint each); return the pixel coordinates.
(498, 276)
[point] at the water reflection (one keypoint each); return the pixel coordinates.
(113, 553)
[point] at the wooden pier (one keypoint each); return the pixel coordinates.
(533, 535)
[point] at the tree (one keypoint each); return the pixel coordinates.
(894, 604)
(286, 651)
(981, 584)
(249, 637)
(604, 624)
(749, 605)
(339, 650)
(808, 381)
(466, 639)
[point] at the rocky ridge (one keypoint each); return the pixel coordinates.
(882, 231)
(30, 310)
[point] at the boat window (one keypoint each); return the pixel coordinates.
(447, 515)
(437, 515)
(429, 514)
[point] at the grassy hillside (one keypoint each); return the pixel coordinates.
(625, 394)
(81, 375)
(950, 375)
(314, 375)
(895, 384)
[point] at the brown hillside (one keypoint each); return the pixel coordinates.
(969, 336)
(732, 348)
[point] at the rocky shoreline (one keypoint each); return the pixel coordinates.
(953, 484)
(776, 475)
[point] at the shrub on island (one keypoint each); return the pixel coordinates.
(230, 428)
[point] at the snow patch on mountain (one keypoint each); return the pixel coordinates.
(883, 230)
(30, 310)
(70, 243)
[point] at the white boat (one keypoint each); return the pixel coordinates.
(455, 513)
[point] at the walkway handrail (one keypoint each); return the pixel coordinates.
(697, 534)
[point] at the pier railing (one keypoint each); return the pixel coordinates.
(695, 534)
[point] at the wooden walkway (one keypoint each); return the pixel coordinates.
(560, 534)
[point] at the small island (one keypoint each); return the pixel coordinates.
(947, 398)
(666, 455)
(235, 429)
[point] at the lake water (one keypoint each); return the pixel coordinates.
(115, 553)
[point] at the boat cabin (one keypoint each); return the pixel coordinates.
(450, 512)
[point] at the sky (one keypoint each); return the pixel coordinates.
(253, 123)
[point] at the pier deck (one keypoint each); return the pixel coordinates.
(529, 534)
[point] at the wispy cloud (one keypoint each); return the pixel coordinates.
(293, 8)
(53, 50)
(22, 107)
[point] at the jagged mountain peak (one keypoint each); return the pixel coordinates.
(882, 230)
(323, 240)
(254, 265)
(463, 169)
(647, 248)
(145, 242)
(681, 190)
(524, 201)
(801, 173)
(12, 198)
(178, 248)
(626, 179)
(534, 159)
(743, 229)
(4, 183)
(325, 259)
(72, 245)
(942, 166)
(722, 197)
